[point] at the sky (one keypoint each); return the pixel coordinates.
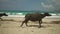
(28, 5)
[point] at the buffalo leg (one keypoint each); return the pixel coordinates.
(25, 21)
(22, 23)
(41, 21)
(39, 24)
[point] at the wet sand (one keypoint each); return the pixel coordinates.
(12, 26)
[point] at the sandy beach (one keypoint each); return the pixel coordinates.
(11, 25)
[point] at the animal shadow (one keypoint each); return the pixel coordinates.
(7, 20)
(55, 22)
(38, 26)
(32, 25)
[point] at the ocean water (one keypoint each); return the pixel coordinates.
(19, 12)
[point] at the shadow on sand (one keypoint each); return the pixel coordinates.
(32, 25)
(43, 26)
(7, 20)
(55, 22)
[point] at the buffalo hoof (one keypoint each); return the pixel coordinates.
(21, 26)
(39, 27)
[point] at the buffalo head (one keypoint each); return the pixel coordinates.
(5, 14)
(47, 14)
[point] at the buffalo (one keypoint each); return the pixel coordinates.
(35, 17)
(2, 14)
